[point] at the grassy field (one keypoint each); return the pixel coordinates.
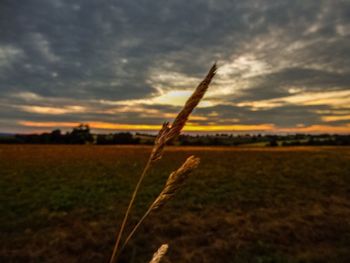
(65, 203)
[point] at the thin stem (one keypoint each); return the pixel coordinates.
(127, 213)
(135, 228)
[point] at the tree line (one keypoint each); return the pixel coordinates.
(82, 135)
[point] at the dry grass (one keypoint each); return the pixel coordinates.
(167, 133)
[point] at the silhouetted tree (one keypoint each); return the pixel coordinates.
(273, 143)
(124, 138)
(81, 135)
(56, 136)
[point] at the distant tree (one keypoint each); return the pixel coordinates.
(124, 138)
(273, 143)
(81, 135)
(117, 138)
(311, 141)
(56, 136)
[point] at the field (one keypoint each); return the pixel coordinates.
(65, 204)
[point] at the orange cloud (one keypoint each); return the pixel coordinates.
(191, 127)
(318, 129)
(94, 125)
(116, 126)
(336, 118)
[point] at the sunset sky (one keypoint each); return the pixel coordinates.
(284, 66)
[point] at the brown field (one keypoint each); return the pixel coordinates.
(65, 204)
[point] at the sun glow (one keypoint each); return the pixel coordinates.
(171, 98)
(175, 98)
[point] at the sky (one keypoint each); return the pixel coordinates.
(284, 66)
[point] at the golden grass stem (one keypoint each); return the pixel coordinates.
(149, 210)
(127, 213)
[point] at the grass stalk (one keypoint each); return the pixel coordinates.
(127, 213)
(165, 135)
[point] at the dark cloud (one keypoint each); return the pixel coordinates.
(84, 51)
(281, 83)
(282, 116)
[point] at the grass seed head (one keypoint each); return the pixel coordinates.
(160, 142)
(159, 254)
(175, 181)
(191, 103)
(168, 133)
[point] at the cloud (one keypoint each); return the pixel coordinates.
(135, 62)
(8, 56)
